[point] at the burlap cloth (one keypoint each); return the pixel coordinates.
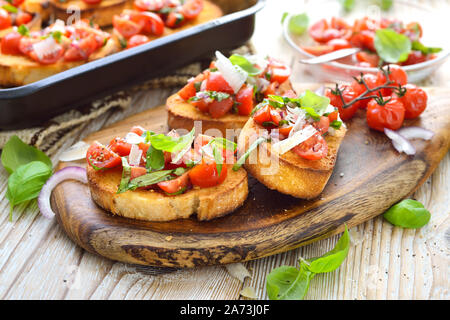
(50, 136)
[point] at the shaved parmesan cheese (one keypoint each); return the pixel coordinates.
(75, 152)
(238, 271)
(133, 138)
(297, 138)
(176, 156)
(135, 155)
(232, 74)
(58, 26)
(249, 292)
(296, 116)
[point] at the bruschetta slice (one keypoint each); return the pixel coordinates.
(156, 177)
(223, 96)
(99, 12)
(13, 16)
(28, 56)
(40, 7)
(291, 144)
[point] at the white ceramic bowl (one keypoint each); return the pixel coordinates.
(435, 26)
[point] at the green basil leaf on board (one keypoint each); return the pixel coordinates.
(332, 259)
(26, 182)
(288, 283)
(391, 46)
(244, 64)
(17, 153)
(291, 283)
(408, 213)
(416, 45)
(298, 23)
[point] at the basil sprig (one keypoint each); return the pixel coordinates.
(291, 283)
(170, 144)
(416, 45)
(245, 64)
(391, 46)
(29, 169)
(250, 149)
(408, 213)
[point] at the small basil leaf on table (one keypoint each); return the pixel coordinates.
(288, 283)
(16, 153)
(26, 182)
(391, 46)
(408, 213)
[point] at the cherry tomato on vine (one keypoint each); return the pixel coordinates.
(349, 94)
(389, 114)
(414, 101)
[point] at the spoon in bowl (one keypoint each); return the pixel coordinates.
(331, 56)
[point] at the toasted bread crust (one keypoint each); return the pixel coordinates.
(289, 173)
(207, 203)
(41, 7)
(20, 70)
(182, 114)
(100, 14)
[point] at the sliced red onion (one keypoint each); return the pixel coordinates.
(68, 173)
(134, 158)
(400, 143)
(415, 133)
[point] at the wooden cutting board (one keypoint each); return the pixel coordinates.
(369, 177)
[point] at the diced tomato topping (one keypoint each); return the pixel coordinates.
(175, 185)
(119, 146)
(137, 172)
(10, 43)
(216, 82)
(244, 98)
(101, 157)
(205, 174)
(218, 108)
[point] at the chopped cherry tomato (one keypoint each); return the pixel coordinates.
(206, 175)
(201, 105)
(285, 130)
(390, 115)
(216, 82)
(315, 148)
(100, 156)
(218, 108)
(275, 116)
(191, 8)
(119, 146)
(331, 34)
(322, 125)
(137, 130)
(137, 40)
(148, 5)
(348, 93)
(10, 43)
(126, 27)
(414, 101)
(371, 58)
(175, 185)
(48, 58)
(17, 3)
(92, 1)
(5, 19)
(364, 39)
(189, 90)
(84, 48)
(202, 140)
(244, 98)
(415, 57)
(150, 22)
(333, 116)
(317, 30)
(318, 50)
(338, 44)
(279, 72)
(339, 23)
(137, 172)
(23, 18)
(174, 19)
(272, 89)
(262, 115)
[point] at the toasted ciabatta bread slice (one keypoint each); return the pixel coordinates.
(289, 173)
(182, 114)
(206, 203)
(101, 14)
(41, 7)
(20, 70)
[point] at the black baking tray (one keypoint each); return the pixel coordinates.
(37, 102)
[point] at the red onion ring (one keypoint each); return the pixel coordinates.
(68, 173)
(400, 143)
(415, 133)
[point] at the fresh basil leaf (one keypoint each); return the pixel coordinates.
(298, 23)
(10, 8)
(149, 179)
(57, 35)
(218, 159)
(17, 153)
(23, 30)
(26, 182)
(244, 64)
(171, 144)
(391, 46)
(123, 42)
(332, 259)
(154, 159)
(250, 149)
(197, 86)
(336, 124)
(179, 171)
(126, 176)
(416, 45)
(408, 213)
(288, 283)
(313, 104)
(224, 143)
(348, 5)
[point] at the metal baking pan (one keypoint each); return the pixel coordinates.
(37, 102)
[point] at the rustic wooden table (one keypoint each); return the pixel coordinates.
(38, 261)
